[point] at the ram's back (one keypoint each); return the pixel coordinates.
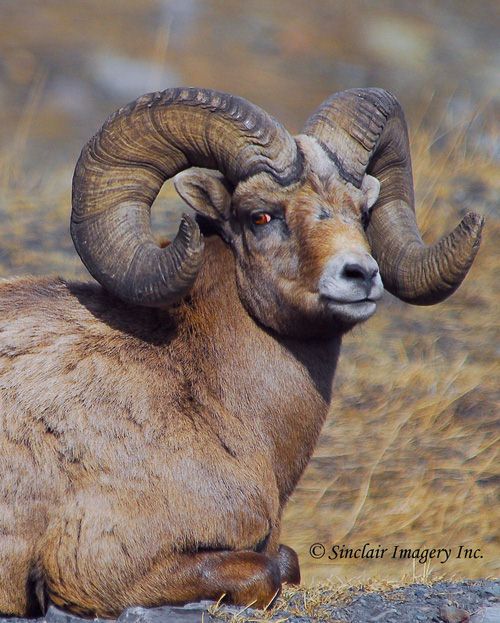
(82, 388)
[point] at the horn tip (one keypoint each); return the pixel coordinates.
(474, 222)
(465, 239)
(191, 237)
(471, 228)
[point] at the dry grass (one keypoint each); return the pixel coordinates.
(315, 601)
(409, 455)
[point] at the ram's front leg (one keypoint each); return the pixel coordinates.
(102, 555)
(242, 578)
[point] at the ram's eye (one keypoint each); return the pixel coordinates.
(261, 218)
(324, 213)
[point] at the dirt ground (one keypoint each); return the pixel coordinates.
(445, 602)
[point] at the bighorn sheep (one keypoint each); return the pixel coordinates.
(153, 427)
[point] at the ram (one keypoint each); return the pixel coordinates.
(153, 427)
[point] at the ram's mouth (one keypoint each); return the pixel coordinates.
(330, 300)
(350, 311)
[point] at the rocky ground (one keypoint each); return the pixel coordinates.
(442, 602)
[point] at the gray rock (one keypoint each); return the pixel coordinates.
(444, 601)
(54, 615)
(191, 613)
(420, 591)
(490, 614)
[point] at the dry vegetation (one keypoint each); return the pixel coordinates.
(312, 601)
(409, 454)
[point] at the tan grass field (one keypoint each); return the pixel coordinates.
(410, 453)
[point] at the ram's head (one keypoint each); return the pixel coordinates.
(316, 222)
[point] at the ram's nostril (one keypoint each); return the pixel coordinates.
(357, 272)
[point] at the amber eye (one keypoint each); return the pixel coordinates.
(261, 218)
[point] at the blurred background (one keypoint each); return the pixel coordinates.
(409, 455)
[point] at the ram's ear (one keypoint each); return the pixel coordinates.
(207, 192)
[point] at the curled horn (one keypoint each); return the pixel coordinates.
(122, 168)
(364, 131)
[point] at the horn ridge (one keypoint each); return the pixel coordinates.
(122, 168)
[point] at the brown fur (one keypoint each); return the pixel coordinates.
(146, 455)
(134, 439)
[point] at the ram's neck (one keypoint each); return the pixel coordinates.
(277, 389)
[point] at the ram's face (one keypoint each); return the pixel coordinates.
(302, 258)
(291, 208)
